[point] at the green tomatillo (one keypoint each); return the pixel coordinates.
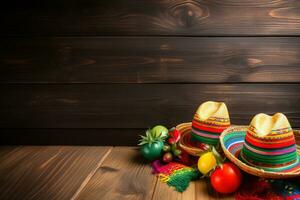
(160, 131)
(152, 151)
(151, 146)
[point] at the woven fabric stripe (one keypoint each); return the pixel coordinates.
(269, 146)
(268, 152)
(274, 159)
(237, 137)
(210, 124)
(205, 140)
(215, 129)
(289, 168)
(293, 168)
(269, 140)
(212, 121)
(235, 148)
(252, 131)
(198, 138)
(205, 134)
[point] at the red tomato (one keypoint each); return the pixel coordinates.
(226, 179)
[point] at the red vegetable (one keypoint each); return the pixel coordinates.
(175, 135)
(168, 157)
(226, 179)
(171, 141)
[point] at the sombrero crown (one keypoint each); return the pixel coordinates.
(210, 120)
(270, 143)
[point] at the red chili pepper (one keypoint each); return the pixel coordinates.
(171, 140)
(175, 135)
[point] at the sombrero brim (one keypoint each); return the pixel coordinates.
(191, 147)
(232, 140)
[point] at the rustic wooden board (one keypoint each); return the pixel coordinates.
(46, 172)
(138, 105)
(86, 173)
(71, 136)
(198, 190)
(150, 60)
(163, 191)
(143, 17)
(205, 191)
(123, 175)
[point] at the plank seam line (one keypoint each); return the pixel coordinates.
(154, 188)
(95, 36)
(147, 83)
(91, 174)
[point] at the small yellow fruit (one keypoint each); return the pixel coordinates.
(206, 162)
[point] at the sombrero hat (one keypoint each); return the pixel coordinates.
(267, 148)
(210, 120)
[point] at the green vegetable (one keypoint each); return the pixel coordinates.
(166, 148)
(173, 147)
(151, 146)
(160, 131)
(177, 152)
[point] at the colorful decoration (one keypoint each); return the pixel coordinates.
(267, 148)
(210, 120)
(264, 189)
(175, 174)
(274, 150)
(194, 148)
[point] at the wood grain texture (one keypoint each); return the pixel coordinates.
(142, 17)
(46, 172)
(123, 175)
(163, 191)
(204, 191)
(138, 105)
(87, 173)
(150, 60)
(71, 136)
(198, 190)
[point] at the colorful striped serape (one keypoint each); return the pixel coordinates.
(175, 174)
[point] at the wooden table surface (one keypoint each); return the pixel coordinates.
(76, 172)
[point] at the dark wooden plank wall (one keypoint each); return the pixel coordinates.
(150, 60)
(156, 17)
(100, 72)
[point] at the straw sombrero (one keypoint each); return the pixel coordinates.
(210, 120)
(267, 148)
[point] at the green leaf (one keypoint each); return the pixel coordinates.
(142, 143)
(218, 157)
(149, 138)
